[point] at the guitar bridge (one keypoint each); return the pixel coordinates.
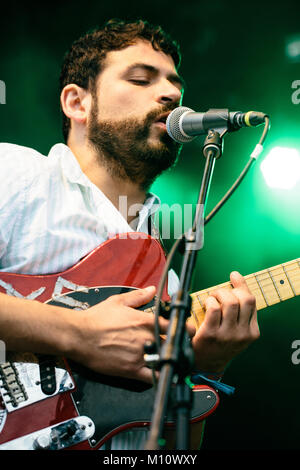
(26, 379)
(12, 390)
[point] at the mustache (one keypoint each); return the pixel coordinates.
(155, 113)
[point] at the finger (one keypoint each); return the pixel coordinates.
(213, 315)
(247, 303)
(163, 325)
(246, 299)
(146, 375)
(230, 307)
(254, 326)
(254, 319)
(190, 328)
(137, 297)
(237, 280)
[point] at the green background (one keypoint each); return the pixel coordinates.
(234, 56)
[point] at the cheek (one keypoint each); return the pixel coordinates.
(120, 102)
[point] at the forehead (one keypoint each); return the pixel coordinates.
(140, 52)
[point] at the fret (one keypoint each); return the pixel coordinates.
(282, 282)
(293, 270)
(290, 283)
(202, 296)
(261, 289)
(270, 292)
(200, 301)
(256, 291)
(196, 316)
(198, 309)
(274, 284)
(199, 314)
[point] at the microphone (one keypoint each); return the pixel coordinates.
(184, 124)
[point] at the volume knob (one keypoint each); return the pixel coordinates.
(42, 442)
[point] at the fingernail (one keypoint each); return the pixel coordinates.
(149, 288)
(235, 274)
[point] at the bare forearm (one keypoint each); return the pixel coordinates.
(28, 325)
(108, 337)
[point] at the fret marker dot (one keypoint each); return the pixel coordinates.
(281, 281)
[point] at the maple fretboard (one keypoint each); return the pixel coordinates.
(269, 286)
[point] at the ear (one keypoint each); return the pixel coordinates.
(75, 102)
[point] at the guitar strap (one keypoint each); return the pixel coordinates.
(155, 233)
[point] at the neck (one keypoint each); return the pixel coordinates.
(112, 186)
(269, 286)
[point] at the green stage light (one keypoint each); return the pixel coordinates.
(292, 48)
(281, 168)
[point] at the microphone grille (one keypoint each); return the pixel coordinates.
(173, 125)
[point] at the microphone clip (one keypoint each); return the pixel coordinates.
(213, 143)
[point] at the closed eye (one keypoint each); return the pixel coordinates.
(139, 82)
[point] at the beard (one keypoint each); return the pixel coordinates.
(125, 149)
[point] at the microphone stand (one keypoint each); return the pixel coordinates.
(176, 357)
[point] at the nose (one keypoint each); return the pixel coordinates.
(168, 93)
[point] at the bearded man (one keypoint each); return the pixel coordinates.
(118, 85)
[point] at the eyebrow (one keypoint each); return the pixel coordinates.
(172, 77)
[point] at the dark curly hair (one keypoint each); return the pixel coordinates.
(84, 61)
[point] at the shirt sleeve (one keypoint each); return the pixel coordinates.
(173, 282)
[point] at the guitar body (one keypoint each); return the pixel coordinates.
(52, 403)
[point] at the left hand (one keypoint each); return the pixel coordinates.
(229, 326)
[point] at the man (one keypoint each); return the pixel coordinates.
(117, 86)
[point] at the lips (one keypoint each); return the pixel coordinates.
(162, 118)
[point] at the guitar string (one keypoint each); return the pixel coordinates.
(275, 286)
(251, 277)
(290, 283)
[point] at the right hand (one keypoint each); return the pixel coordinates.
(111, 335)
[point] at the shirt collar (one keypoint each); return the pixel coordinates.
(69, 164)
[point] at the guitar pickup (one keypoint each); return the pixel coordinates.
(47, 374)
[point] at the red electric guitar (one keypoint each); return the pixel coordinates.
(51, 403)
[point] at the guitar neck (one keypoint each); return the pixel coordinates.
(269, 287)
